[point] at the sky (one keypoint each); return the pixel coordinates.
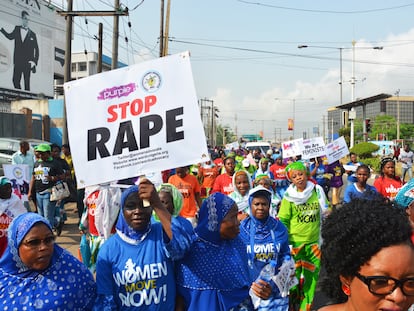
(245, 55)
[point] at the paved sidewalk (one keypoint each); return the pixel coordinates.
(70, 237)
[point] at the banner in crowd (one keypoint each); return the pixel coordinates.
(336, 150)
(20, 177)
(313, 148)
(292, 148)
(134, 120)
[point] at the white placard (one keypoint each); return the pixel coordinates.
(336, 150)
(292, 148)
(20, 177)
(134, 120)
(313, 148)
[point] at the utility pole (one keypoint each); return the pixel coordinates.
(167, 29)
(69, 14)
(352, 112)
(162, 29)
(323, 128)
(67, 69)
(398, 114)
(115, 37)
(100, 47)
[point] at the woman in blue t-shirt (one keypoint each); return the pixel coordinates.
(360, 189)
(135, 270)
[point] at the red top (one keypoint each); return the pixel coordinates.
(5, 221)
(278, 171)
(388, 187)
(223, 184)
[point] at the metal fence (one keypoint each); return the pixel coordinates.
(17, 125)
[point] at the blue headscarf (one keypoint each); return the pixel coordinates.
(210, 216)
(18, 229)
(122, 227)
(259, 190)
(65, 284)
(213, 263)
(261, 229)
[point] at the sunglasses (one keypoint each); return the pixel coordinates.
(48, 241)
(385, 285)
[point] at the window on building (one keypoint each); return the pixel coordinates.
(82, 66)
(73, 67)
(383, 106)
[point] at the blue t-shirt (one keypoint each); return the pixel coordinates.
(139, 276)
(319, 174)
(351, 193)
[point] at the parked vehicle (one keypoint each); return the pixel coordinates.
(262, 145)
(9, 145)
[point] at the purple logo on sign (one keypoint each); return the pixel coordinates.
(117, 91)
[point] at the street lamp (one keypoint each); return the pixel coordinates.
(293, 103)
(304, 46)
(398, 114)
(353, 80)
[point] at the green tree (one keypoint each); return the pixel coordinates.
(383, 124)
(228, 134)
(406, 131)
(364, 150)
(346, 133)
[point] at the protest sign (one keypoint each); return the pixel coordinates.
(336, 150)
(134, 120)
(313, 148)
(19, 176)
(292, 148)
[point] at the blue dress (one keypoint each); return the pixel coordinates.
(269, 241)
(66, 284)
(214, 275)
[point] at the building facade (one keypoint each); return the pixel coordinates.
(370, 108)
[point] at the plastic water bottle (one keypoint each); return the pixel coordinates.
(266, 274)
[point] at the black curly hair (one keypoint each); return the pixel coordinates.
(383, 162)
(353, 234)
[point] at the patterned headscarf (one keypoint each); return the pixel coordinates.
(18, 229)
(214, 263)
(125, 231)
(295, 166)
(65, 284)
(210, 216)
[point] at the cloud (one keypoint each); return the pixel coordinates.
(143, 55)
(376, 71)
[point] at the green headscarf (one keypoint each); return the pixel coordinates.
(176, 196)
(296, 166)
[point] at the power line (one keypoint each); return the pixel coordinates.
(291, 54)
(327, 11)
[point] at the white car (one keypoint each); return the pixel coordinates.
(9, 145)
(262, 145)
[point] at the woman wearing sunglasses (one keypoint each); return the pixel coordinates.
(37, 274)
(369, 258)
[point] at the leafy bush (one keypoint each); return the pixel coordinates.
(373, 163)
(364, 150)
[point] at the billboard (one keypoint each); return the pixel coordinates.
(30, 38)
